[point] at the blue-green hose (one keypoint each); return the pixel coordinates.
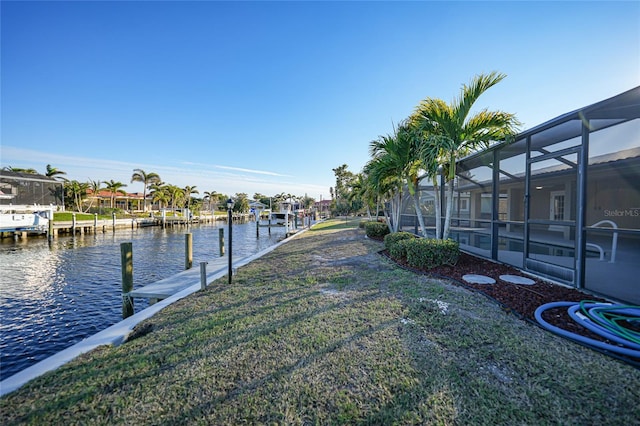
(622, 350)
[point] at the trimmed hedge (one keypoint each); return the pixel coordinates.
(391, 239)
(398, 250)
(427, 253)
(376, 229)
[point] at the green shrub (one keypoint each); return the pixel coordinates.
(394, 237)
(398, 250)
(426, 253)
(362, 224)
(376, 229)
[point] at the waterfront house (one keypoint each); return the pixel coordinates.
(561, 201)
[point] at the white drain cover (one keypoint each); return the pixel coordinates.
(516, 279)
(478, 279)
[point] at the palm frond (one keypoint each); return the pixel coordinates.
(470, 94)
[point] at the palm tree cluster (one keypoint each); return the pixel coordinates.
(158, 192)
(427, 144)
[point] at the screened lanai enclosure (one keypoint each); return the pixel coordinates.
(561, 201)
(29, 188)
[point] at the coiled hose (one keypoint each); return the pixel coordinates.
(604, 319)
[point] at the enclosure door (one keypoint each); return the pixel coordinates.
(551, 225)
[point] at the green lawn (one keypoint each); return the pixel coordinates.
(324, 331)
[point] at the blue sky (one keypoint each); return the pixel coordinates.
(269, 97)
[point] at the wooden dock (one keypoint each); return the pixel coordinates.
(169, 286)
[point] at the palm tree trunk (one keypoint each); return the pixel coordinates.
(388, 218)
(447, 220)
(416, 205)
(144, 199)
(396, 222)
(438, 206)
(90, 205)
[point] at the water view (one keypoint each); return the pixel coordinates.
(52, 295)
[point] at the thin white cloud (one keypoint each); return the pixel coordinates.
(224, 179)
(238, 169)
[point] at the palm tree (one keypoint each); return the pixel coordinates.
(77, 192)
(188, 190)
(451, 133)
(53, 172)
(114, 188)
(364, 190)
(30, 171)
(159, 194)
(147, 180)
(176, 195)
(209, 196)
(95, 186)
(414, 166)
(387, 168)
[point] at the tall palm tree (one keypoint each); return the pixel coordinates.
(54, 172)
(95, 186)
(159, 194)
(188, 190)
(176, 195)
(387, 170)
(77, 191)
(414, 166)
(361, 192)
(114, 188)
(210, 196)
(452, 133)
(147, 180)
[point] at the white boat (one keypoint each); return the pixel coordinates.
(24, 218)
(283, 215)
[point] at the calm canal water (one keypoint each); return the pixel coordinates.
(52, 295)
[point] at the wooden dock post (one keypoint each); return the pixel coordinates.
(73, 223)
(188, 250)
(126, 257)
(221, 240)
(95, 223)
(50, 231)
(203, 275)
(114, 221)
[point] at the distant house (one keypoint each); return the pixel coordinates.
(29, 188)
(323, 208)
(102, 199)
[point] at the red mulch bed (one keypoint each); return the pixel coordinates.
(521, 300)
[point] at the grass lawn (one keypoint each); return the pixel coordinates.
(324, 331)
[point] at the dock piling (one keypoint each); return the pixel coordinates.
(126, 256)
(188, 250)
(221, 240)
(50, 231)
(203, 275)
